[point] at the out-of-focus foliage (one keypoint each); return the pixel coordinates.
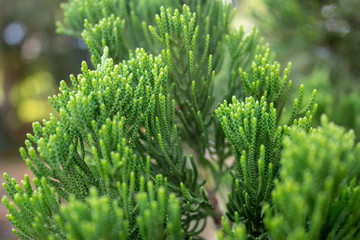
(320, 36)
(323, 30)
(341, 106)
(31, 51)
(235, 232)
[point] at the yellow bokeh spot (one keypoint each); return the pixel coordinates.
(33, 110)
(38, 84)
(30, 97)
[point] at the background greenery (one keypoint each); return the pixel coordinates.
(322, 39)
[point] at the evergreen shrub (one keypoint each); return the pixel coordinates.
(178, 108)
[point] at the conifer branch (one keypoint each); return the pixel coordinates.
(114, 163)
(318, 176)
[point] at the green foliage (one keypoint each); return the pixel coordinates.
(237, 233)
(341, 107)
(319, 36)
(124, 25)
(191, 44)
(113, 164)
(252, 130)
(176, 36)
(317, 196)
(142, 210)
(76, 11)
(330, 28)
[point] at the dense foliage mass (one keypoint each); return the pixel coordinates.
(176, 98)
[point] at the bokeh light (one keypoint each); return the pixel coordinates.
(14, 33)
(30, 96)
(31, 49)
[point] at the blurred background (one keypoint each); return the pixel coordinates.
(33, 60)
(320, 37)
(322, 40)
